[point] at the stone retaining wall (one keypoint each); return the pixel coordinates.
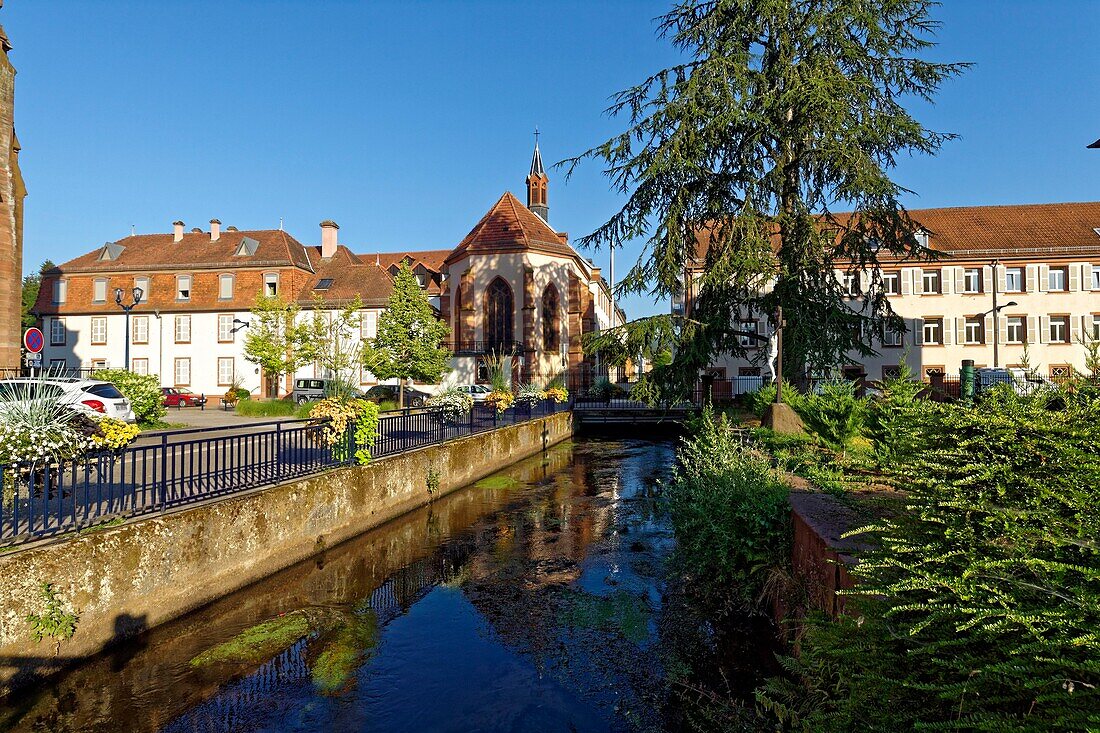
(128, 578)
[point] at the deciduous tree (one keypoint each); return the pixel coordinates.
(274, 341)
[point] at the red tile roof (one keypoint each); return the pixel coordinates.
(509, 226)
(195, 251)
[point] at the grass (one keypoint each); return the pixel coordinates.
(621, 612)
(161, 425)
(259, 643)
(102, 525)
(387, 406)
(497, 482)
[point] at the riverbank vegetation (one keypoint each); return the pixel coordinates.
(978, 605)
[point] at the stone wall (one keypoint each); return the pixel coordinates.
(141, 574)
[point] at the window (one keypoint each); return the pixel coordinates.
(1061, 371)
(182, 372)
(225, 328)
(368, 327)
(324, 283)
(745, 339)
(891, 337)
(225, 287)
(1059, 329)
(551, 319)
(1017, 329)
(183, 329)
(748, 371)
(933, 371)
(140, 366)
(61, 291)
(851, 285)
(226, 371)
(58, 365)
(1056, 279)
(271, 284)
(1014, 279)
(1096, 277)
(57, 332)
(891, 283)
(933, 331)
(931, 283)
(973, 331)
(183, 287)
(498, 316)
(140, 329)
(99, 363)
(99, 331)
(99, 291)
(1096, 327)
(143, 283)
(891, 372)
(972, 280)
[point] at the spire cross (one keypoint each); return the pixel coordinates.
(537, 133)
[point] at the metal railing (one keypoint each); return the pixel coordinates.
(168, 470)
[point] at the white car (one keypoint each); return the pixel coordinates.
(92, 397)
(1021, 380)
(477, 391)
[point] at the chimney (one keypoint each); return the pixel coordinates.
(177, 230)
(215, 229)
(328, 238)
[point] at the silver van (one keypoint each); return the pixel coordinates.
(309, 390)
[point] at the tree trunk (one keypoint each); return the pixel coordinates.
(400, 393)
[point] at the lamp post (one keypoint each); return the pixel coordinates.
(136, 294)
(996, 309)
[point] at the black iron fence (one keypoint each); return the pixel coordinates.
(167, 470)
(594, 393)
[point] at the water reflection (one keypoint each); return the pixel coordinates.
(537, 603)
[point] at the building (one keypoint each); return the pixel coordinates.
(12, 192)
(512, 286)
(1042, 260)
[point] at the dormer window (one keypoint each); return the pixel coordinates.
(247, 247)
(111, 251)
(183, 287)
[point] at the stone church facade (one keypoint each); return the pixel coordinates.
(12, 191)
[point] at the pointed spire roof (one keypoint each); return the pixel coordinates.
(509, 226)
(536, 163)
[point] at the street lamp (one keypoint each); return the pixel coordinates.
(136, 294)
(238, 324)
(996, 309)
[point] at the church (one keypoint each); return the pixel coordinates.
(513, 286)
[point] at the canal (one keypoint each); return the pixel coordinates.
(538, 599)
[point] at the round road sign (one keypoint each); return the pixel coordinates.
(32, 339)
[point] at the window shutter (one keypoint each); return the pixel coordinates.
(947, 333)
(1002, 328)
(1032, 329)
(1002, 279)
(864, 281)
(947, 282)
(1074, 278)
(960, 280)
(1032, 278)
(918, 331)
(1086, 276)
(918, 281)
(987, 282)
(1044, 329)
(960, 331)
(987, 330)
(1086, 328)
(1075, 332)
(907, 281)
(1044, 278)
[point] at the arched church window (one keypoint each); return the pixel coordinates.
(551, 319)
(498, 316)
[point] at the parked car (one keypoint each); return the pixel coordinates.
(181, 398)
(477, 391)
(89, 396)
(1021, 380)
(388, 392)
(313, 389)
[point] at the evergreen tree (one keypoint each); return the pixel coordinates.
(783, 112)
(31, 285)
(409, 343)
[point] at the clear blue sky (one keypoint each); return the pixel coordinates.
(404, 121)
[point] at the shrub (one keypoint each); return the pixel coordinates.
(604, 389)
(500, 400)
(267, 408)
(893, 417)
(338, 415)
(730, 513)
(833, 412)
(757, 401)
(143, 391)
(453, 403)
(980, 606)
(530, 395)
(114, 434)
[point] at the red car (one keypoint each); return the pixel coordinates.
(178, 398)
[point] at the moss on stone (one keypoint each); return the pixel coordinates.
(497, 482)
(259, 643)
(338, 661)
(621, 612)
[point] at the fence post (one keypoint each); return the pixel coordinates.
(473, 406)
(442, 425)
(163, 471)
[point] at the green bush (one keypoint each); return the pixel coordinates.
(143, 391)
(894, 420)
(270, 408)
(758, 400)
(979, 609)
(833, 413)
(730, 513)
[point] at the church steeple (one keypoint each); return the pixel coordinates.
(536, 184)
